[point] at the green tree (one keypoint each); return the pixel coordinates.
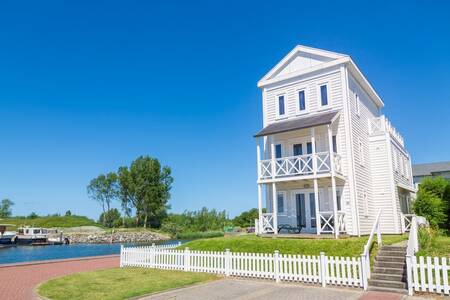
(432, 201)
(110, 218)
(68, 213)
(5, 208)
(145, 187)
(104, 189)
(247, 218)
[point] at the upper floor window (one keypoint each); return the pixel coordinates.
(323, 95)
(334, 144)
(357, 104)
(281, 108)
(394, 154)
(278, 152)
(301, 100)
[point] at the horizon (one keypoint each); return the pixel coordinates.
(88, 87)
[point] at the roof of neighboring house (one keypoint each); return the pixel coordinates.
(430, 168)
(298, 123)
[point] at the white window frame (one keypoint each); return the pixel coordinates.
(297, 105)
(278, 106)
(357, 105)
(319, 96)
(284, 212)
(362, 157)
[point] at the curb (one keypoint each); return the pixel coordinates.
(54, 261)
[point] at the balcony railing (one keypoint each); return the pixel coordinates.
(381, 125)
(299, 165)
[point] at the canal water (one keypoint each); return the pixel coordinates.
(34, 253)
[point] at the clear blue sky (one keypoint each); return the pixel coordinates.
(87, 86)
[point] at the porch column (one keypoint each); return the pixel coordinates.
(333, 181)
(260, 219)
(313, 145)
(258, 157)
(274, 208)
(272, 155)
(316, 201)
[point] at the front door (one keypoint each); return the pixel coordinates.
(306, 211)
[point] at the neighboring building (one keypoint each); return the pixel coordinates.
(326, 155)
(420, 171)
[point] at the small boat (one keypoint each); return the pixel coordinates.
(6, 237)
(37, 236)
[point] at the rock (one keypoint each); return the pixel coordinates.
(116, 237)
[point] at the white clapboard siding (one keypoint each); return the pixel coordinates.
(429, 274)
(343, 271)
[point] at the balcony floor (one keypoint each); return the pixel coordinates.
(312, 236)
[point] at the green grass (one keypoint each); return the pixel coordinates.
(51, 221)
(199, 235)
(250, 243)
(439, 246)
(118, 283)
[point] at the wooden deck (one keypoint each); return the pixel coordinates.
(311, 236)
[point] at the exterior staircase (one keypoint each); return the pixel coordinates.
(389, 272)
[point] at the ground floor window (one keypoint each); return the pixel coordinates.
(405, 203)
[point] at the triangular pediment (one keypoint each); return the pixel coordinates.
(300, 59)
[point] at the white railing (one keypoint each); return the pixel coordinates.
(381, 125)
(406, 220)
(267, 223)
(299, 165)
(321, 269)
(327, 222)
(366, 253)
(341, 222)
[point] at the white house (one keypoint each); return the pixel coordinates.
(326, 154)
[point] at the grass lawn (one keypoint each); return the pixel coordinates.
(118, 283)
(51, 221)
(440, 247)
(250, 243)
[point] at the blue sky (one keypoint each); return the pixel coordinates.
(87, 86)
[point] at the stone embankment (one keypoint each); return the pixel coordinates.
(116, 237)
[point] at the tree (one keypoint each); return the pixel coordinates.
(104, 189)
(247, 218)
(433, 201)
(5, 208)
(145, 186)
(110, 218)
(68, 213)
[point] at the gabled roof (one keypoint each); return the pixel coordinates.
(323, 59)
(298, 123)
(430, 168)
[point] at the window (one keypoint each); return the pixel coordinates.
(297, 149)
(402, 165)
(278, 152)
(365, 203)
(394, 154)
(334, 144)
(309, 148)
(338, 200)
(280, 202)
(301, 100)
(281, 110)
(312, 209)
(357, 104)
(362, 159)
(324, 95)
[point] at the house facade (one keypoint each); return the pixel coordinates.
(327, 158)
(437, 169)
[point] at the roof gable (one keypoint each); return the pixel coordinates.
(300, 59)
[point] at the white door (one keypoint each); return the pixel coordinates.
(306, 211)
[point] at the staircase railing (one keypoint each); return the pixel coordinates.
(411, 250)
(365, 256)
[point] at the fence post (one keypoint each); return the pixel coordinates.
(187, 259)
(364, 271)
(227, 262)
(121, 256)
(409, 274)
(276, 266)
(323, 269)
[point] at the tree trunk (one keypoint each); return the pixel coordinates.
(146, 218)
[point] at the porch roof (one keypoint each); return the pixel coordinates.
(298, 123)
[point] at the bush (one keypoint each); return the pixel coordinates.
(431, 207)
(198, 235)
(129, 222)
(33, 215)
(247, 218)
(110, 218)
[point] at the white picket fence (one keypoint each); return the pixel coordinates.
(344, 271)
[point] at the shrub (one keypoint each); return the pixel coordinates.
(129, 222)
(430, 206)
(33, 215)
(247, 218)
(198, 235)
(110, 217)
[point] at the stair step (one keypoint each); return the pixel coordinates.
(387, 283)
(388, 276)
(393, 248)
(392, 253)
(387, 290)
(390, 258)
(393, 271)
(390, 264)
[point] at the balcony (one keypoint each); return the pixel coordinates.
(300, 165)
(381, 125)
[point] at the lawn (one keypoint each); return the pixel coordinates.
(118, 283)
(50, 221)
(439, 247)
(352, 246)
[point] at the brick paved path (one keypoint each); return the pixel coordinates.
(19, 281)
